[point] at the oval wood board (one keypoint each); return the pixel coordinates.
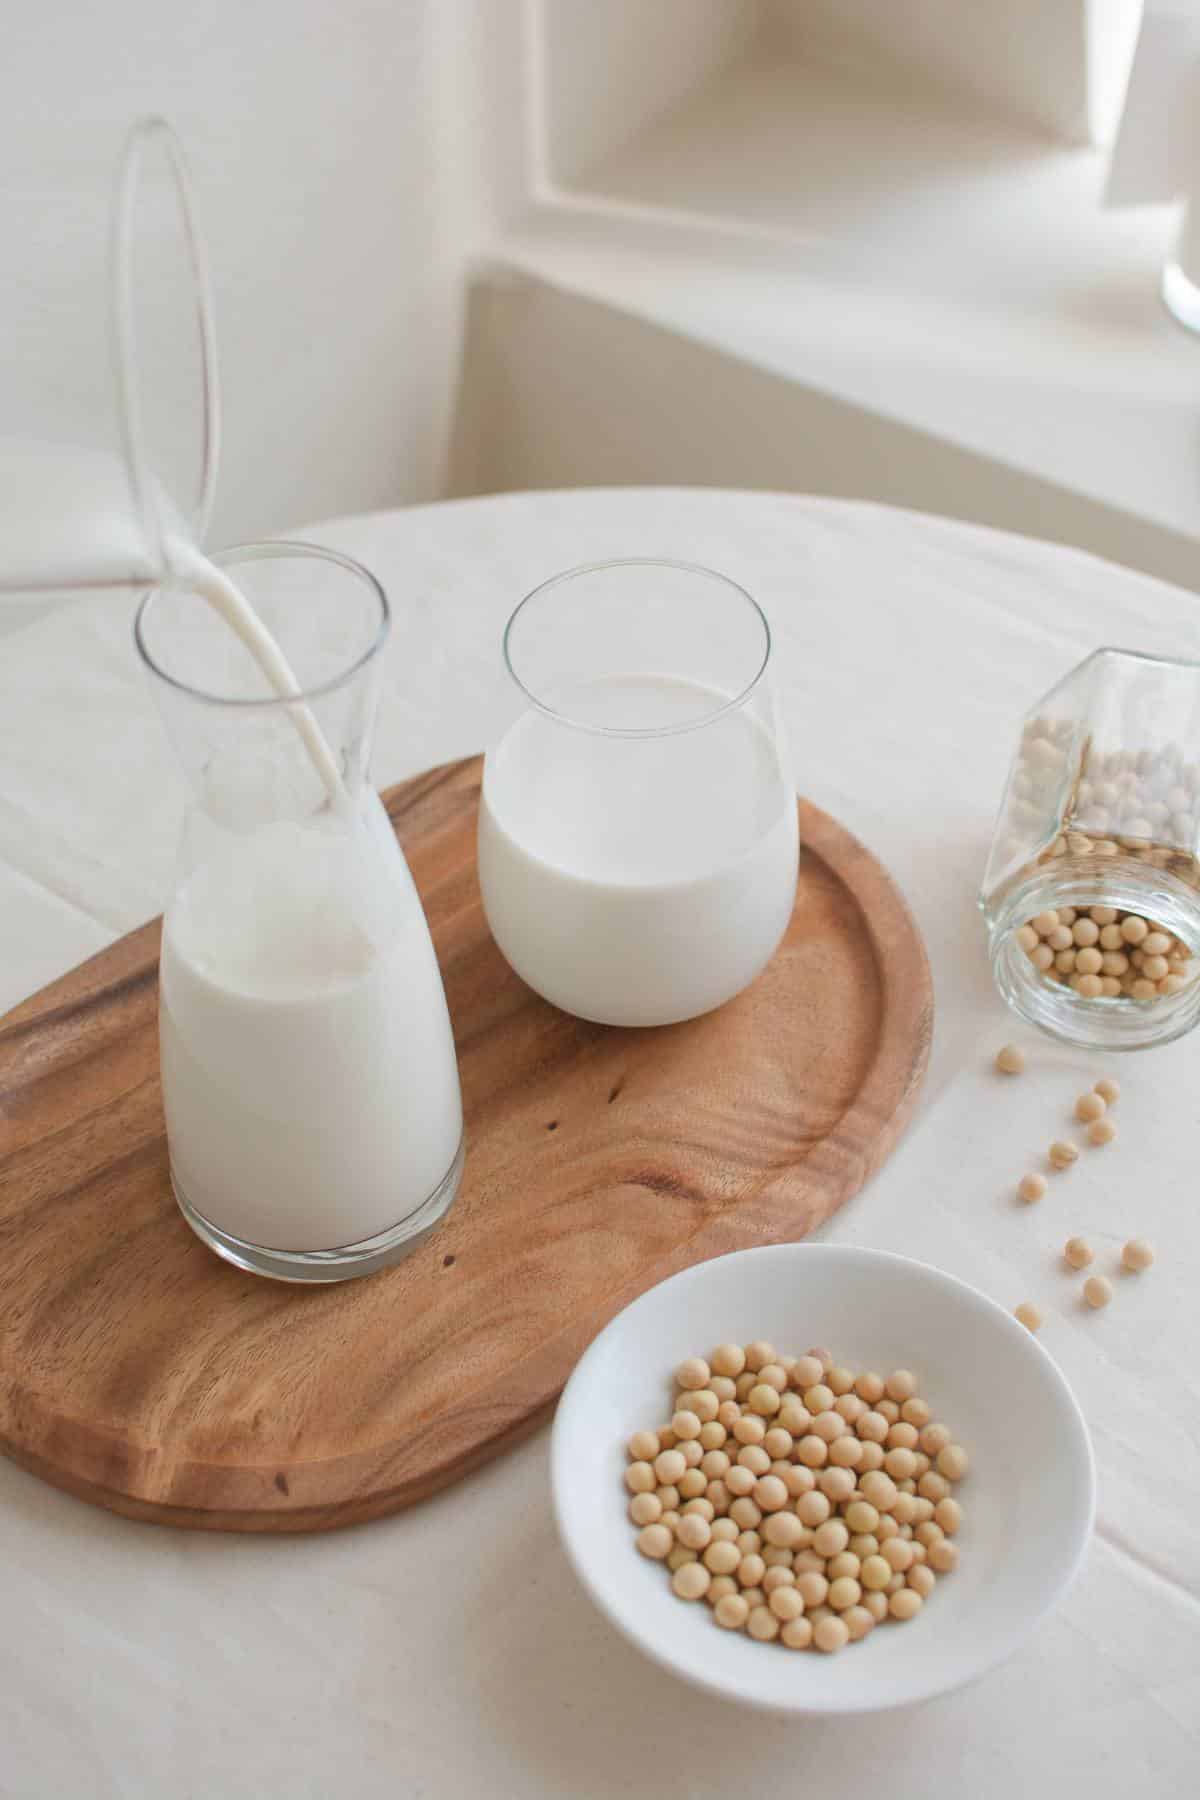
(140, 1372)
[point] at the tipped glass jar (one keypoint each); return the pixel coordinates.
(1092, 888)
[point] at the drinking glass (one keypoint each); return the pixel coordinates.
(638, 833)
(314, 1122)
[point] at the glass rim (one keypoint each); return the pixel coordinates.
(638, 731)
(266, 550)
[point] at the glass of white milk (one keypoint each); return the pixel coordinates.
(314, 1121)
(638, 832)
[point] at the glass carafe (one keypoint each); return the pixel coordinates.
(638, 829)
(1092, 889)
(311, 1093)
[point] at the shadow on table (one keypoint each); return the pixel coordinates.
(588, 1715)
(966, 1001)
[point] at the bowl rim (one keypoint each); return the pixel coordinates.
(973, 1669)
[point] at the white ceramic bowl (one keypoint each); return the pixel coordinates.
(1029, 1497)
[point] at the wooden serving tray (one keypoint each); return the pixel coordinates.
(140, 1372)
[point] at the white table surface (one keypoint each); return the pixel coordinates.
(448, 1651)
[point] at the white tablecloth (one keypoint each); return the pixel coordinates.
(448, 1651)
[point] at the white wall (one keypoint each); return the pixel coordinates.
(569, 391)
(347, 155)
(1060, 64)
(608, 67)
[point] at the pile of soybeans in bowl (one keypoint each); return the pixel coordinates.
(802, 1503)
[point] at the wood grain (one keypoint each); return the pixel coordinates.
(140, 1372)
